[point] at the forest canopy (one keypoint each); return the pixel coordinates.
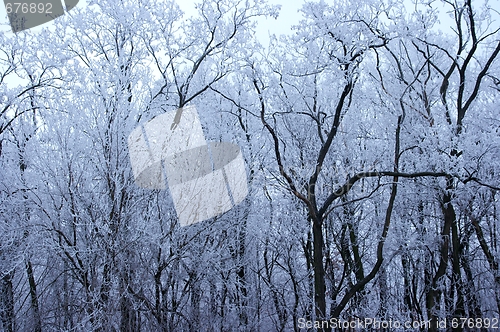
(371, 139)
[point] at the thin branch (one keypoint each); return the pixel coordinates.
(283, 173)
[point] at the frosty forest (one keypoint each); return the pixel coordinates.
(370, 134)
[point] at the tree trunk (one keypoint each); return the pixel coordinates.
(435, 291)
(492, 261)
(457, 275)
(37, 322)
(405, 263)
(241, 282)
(319, 272)
(7, 302)
(128, 322)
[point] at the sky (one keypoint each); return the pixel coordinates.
(288, 16)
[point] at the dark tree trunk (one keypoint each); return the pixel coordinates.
(241, 281)
(405, 263)
(457, 283)
(7, 302)
(433, 296)
(37, 322)
(319, 271)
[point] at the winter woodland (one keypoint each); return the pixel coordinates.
(371, 138)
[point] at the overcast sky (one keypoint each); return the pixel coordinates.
(288, 17)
